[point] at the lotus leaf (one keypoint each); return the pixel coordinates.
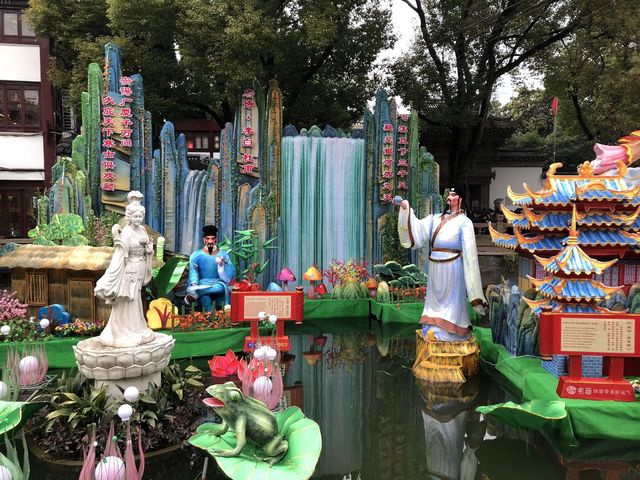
(395, 267)
(305, 445)
(382, 270)
(410, 269)
(406, 281)
(12, 414)
(533, 415)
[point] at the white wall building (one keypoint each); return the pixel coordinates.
(27, 133)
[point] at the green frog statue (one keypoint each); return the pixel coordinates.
(250, 420)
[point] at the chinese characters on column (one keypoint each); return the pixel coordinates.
(402, 170)
(386, 171)
(247, 157)
(110, 111)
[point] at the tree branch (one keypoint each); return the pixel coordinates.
(579, 115)
(426, 36)
(559, 35)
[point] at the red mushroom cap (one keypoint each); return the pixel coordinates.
(321, 289)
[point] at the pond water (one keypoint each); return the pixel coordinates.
(379, 423)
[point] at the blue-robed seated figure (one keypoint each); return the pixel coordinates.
(210, 271)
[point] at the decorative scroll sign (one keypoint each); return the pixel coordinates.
(615, 336)
(287, 306)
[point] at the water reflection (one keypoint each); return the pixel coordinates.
(447, 415)
(379, 423)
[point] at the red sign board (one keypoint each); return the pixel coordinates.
(590, 334)
(614, 335)
(246, 306)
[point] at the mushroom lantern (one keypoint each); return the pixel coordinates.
(313, 275)
(372, 285)
(321, 290)
(285, 276)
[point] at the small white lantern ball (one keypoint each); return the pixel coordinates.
(110, 468)
(28, 365)
(5, 474)
(124, 412)
(270, 354)
(5, 330)
(4, 391)
(262, 316)
(131, 394)
(262, 386)
(260, 353)
(273, 319)
(44, 323)
(227, 308)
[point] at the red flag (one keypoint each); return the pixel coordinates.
(554, 106)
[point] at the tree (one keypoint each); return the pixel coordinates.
(144, 30)
(595, 74)
(463, 48)
(531, 113)
(321, 52)
(196, 55)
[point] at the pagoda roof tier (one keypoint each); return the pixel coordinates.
(550, 243)
(601, 238)
(573, 260)
(560, 190)
(555, 221)
(576, 289)
(545, 304)
(532, 243)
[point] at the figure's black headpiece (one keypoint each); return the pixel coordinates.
(209, 230)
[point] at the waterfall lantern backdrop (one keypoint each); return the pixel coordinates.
(325, 194)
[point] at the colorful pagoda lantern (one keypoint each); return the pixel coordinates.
(571, 235)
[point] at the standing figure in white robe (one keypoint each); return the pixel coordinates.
(453, 274)
(121, 285)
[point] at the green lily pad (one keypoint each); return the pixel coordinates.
(305, 445)
(533, 415)
(12, 414)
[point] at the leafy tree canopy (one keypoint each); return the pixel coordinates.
(595, 74)
(197, 54)
(463, 48)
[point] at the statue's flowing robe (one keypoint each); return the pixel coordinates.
(121, 287)
(453, 272)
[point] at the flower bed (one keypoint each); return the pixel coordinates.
(167, 414)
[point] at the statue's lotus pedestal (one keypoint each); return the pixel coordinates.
(122, 367)
(445, 361)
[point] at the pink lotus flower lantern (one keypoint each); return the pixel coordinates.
(113, 466)
(262, 377)
(31, 366)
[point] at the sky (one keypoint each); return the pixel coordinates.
(405, 22)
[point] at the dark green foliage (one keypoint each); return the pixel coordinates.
(63, 229)
(321, 52)
(391, 248)
(461, 52)
(168, 276)
(398, 276)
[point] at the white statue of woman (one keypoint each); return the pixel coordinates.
(453, 276)
(128, 272)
